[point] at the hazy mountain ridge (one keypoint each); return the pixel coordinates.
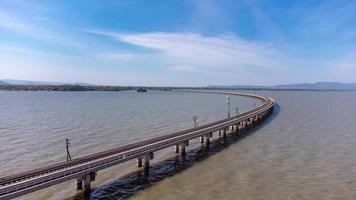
(299, 86)
(320, 85)
(4, 83)
(26, 82)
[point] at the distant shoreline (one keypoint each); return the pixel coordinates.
(126, 88)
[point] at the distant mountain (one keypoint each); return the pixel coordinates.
(300, 86)
(26, 82)
(239, 86)
(320, 86)
(4, 83)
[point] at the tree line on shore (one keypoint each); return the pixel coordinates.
(76, 88)
(69, 87)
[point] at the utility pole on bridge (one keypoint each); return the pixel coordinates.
(195, 121)
(67, 148)
(228, 106)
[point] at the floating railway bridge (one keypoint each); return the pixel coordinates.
(84, 169)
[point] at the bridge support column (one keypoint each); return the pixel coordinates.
(87, 185)
(88, 178)
(146, 166)
(201, 139)
(224, 134)
(79, 183)
(176, 148)
(182, 147)
(207, 140)
(139, 162)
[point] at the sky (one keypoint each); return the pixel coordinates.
(178, 42)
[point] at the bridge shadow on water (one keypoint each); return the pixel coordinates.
(134, 182)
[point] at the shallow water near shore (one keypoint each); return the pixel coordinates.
(305, 150)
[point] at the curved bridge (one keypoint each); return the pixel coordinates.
(84, 169)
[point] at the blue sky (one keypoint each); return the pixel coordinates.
(178, 43)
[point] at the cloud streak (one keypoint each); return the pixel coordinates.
(191, 52)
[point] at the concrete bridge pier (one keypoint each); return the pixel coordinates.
(146, 165)
(87, 179)
(207, 139)
(87, 184)
(139, 162)
(79, 182)
(250, 121)
(259, 119)
(176, 148)
(182, 147)
(224, 134)
(244, 124)
(201, 139)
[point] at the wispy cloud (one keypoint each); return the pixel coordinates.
(193, 52)
(7, 21)
(183, 68)
(34, 27)
(116, 56)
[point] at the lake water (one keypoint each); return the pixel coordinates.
(305, 150)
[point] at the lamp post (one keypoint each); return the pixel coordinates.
(228, 106)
